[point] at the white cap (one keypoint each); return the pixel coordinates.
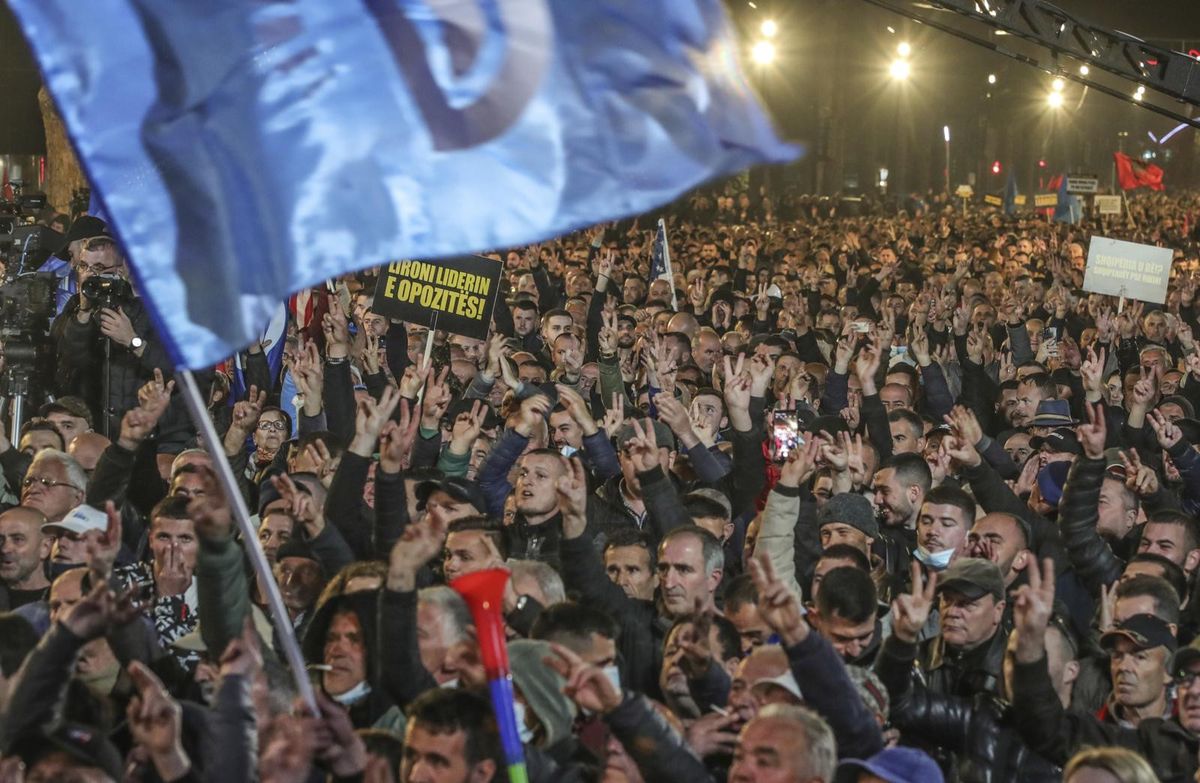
(787, 681)
(79, 520)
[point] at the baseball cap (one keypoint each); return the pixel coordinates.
(1185, 657)
(715, 496)
(895, 765)
(849, 508)
(1051, 480)
(72, 406)
(79, 520)
(1145, 630)
(456, 487)
(85, 744)
(973, 577)
(84, 227)
(786, 681)
(1061, 440)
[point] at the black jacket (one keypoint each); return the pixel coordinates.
(953, 673)
(979, 730)
(1057, 733)
(80, 365)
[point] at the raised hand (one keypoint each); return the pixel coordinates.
(614, 417)
(467, 427)
(1032, 606)
(336, 329)
(737, 393)
(300, 505)
(586, 685)
(156, 723)
(911, 610)
(245, 415)
(1165, 430)
(577, 408)
(956, 448)
(370, 418)
(642, 448)
(1094, 433)
(92, 616)
(777, 604)
(533, 411)
(437, 399)
(672, 412)
(420, 543)
(606, 338)
(965, 424)
(102, 547)
(800, 464)
(1140, 479)
(762, 370)
(396, 440)
(308, 373)
(414, 379)
(572, 490)
(1091, 371)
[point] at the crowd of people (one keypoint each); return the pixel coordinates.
(853, 497)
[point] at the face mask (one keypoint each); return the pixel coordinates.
(354, 694)
(523, 729)
(613, 673)
(568, 451)
(938, 561)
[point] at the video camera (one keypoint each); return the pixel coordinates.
(107, 291)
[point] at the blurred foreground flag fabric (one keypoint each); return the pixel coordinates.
(245, 150)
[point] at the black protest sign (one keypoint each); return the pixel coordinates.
(454, 294)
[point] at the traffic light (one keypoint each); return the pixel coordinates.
(996, 167)
(1041, 164)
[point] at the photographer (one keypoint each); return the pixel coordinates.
(105, 310)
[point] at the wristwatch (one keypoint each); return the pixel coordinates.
(136, 344)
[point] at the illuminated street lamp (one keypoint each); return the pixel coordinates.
(763, 53)
(900, 70)
(904, 49)
(991, 78)
(769, 28)
(1055, 99)
(1058, 85)
(1084, 70)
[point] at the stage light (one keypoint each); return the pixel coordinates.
(991, 78)
(769, 28)
(1055, 99)
(1084, 70)
(1058, 84)
(763, 53)
(996, 167)
(900, 69)
(1141, 89)
(904, 49)
(946, 133)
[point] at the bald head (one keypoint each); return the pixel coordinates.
(87, 448)
(684, 322)
(66, 591)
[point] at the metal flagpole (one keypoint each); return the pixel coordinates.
(241, 515)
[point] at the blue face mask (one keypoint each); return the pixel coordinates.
(568, 451)
(938, 561)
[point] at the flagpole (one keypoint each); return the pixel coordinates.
(241, 516)
(662, 226)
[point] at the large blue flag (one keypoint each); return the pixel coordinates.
(245, 150)
(1010, 195)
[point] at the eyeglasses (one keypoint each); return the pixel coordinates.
(95, 269)
(29, 481)
(274, 426)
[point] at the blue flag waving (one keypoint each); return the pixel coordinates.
(247, 150)
(1010, 195)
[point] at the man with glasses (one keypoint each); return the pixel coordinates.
(103, 346)
(54, 485)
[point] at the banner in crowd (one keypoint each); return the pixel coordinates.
(1108, 205)
(1127, 269)
(454, 294)
(245, 151)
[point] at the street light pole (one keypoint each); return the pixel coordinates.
(946, 136)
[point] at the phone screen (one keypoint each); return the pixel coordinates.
(785, 435)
